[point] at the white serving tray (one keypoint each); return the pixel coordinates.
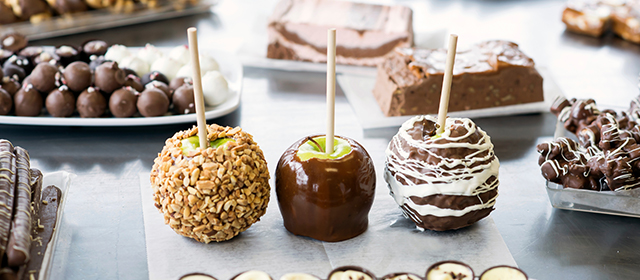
(230, 67)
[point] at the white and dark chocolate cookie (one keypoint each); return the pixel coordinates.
(442, 181)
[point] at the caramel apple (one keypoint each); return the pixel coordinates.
(325, 196)
(449, 270)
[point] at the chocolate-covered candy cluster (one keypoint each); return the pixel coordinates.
(444, 270)
(93, 80)
(605, 157)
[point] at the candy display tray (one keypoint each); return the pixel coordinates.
(230, 67)
(106, 18)
(620, 203)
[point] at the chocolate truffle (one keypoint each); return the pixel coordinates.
(43, 77)
(299, 276)
(197, 276)
(325, 197)
(31, 52)
(183, 100)
(152, 102)
(109, 77)
(178, 82)
(128, 71)
(14, 42)
(117, 53)
(252, 275)
(67, 54)
(154, 76)
(449, 270)
(19, 61)
(402, 276)
(122, 102)
(231, 170)
(6, 102)
(161, 86)
(351, 272)
(10, 85)
(134, 82)
(14, 72)
(167, 66)
(215, 88)
(91, 103)
(60, 102)
(77, 76)
(94, 47)
(47, 57)
(27, 101)
(442, 182)
(503, 272)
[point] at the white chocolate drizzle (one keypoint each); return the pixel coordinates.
(468, 176)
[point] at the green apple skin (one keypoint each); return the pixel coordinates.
(309, 149)
(327, 199)
(192, 143)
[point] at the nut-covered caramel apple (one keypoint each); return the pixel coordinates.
(325, 196)
(211, 194)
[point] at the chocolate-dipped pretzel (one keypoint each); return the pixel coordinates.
(20, 238)
(7, 186)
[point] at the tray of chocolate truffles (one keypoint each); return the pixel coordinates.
(444, 270)
(34, 204)
(95, 84)
(38, 19)
(592, 165)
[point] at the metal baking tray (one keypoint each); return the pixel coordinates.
(620, 203)
(106, 18)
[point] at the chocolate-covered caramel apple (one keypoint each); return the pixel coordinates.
(211, 194)
(442, 181)
(449, 270)
(325, 196)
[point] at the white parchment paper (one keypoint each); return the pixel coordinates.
(390, 244)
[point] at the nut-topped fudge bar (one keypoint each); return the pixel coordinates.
(365, 32)
(489, 74)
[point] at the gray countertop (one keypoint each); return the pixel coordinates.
(278, 107)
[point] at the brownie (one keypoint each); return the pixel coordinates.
(365, 33)
(489, 74)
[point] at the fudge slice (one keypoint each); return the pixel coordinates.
(489, 74)
(588, 17)
(625, 21)
(365, 33)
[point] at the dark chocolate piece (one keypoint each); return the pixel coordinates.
(183, 100)
(6, 102)
(154, 76)
(7, 189)
(489, 74)
(61, 102)
(77, 76)
(20, 238)
(152, 102)
(91, 103)
(129, 71)
(13, 42)
(67, 54)
(27, 101)
(43, 77)
(328, 206)
(123, 102)
(109, 77)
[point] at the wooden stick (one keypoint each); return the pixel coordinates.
(446, 83)
(331, 88)
(192, 33)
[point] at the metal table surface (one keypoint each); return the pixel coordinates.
(279, 107)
